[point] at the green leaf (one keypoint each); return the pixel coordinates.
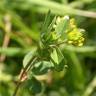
(61, 65)
(46, 35)
(57, 59)
(62, 27)
(49, 37)
(52, 23)
(44, 31)
(46, 22)
(42, 67)
(57, 55)
(33, 86)
(54, 56)
(28, 58)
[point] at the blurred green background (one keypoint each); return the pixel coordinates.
(20, 25)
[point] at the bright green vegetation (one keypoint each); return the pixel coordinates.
(23, 34)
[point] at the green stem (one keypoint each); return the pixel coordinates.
(14, 51)
(78, 78)
(90, 87)
(60, 8)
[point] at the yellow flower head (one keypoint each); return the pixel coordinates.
(73, 34)
(75, 37)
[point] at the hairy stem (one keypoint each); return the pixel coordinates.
(24, 71)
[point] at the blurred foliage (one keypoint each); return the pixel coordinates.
(20, 25)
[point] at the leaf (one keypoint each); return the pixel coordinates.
(33, 86)
(57, 55)
(46, 36)
(44, 30)
(62, 27)
(52, 23)
(42, 67)
(28, 58)
(54, 56)
(61, 65)
(46, 22)
(49, 33)
(58, 59)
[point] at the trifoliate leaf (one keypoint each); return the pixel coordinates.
(33, 86)
(42, 67)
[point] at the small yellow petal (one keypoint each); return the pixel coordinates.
(70, 42)
(81, 44)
